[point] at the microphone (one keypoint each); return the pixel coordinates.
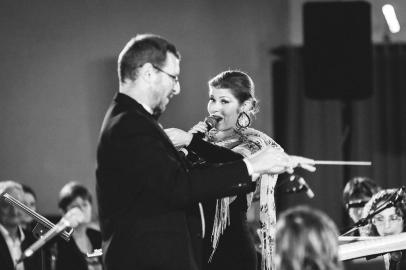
(306, 188)
(399, 195)
(71, 219)
(211, 122)
(57, 229)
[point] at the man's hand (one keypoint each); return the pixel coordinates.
(271, 160)
(302, 162)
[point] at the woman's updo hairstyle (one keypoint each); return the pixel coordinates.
(70, 192)
(241, 85)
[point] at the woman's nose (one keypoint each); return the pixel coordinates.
(387, 224)
(214, 107)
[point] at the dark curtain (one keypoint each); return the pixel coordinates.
(373, 129)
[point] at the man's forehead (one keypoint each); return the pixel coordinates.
(172, 62)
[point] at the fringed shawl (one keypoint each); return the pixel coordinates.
(247, 141)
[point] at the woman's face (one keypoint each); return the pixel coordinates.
(84, 205)
(224, 104)
(388, 222)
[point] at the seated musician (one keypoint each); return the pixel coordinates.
(85, 239)
(390, 221)
(306, 239)
(13, 238)
(357, 192)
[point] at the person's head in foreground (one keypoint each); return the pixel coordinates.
(306, 239)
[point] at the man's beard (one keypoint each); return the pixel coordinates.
(156, 112)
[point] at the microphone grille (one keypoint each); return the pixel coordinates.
(211, 120)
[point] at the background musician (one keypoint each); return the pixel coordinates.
(390, 221)
(357, 192)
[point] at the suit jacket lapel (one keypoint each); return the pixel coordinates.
(132, 104)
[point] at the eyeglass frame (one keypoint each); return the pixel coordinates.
(173, 77)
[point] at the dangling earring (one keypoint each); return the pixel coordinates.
(243, 120)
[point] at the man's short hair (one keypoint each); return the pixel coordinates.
(143, 48)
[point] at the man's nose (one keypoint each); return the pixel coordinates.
(176, 88)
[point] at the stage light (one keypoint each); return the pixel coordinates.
(391, 19)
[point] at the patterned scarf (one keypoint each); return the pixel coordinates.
(247, 141)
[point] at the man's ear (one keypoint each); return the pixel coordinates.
(145, 72)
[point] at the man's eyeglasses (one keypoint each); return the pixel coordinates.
(173, 77)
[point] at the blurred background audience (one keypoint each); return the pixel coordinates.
(13, 238)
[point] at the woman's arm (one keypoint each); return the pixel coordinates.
(212, 153)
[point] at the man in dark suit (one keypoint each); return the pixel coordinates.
(13, 239)
(147, 192)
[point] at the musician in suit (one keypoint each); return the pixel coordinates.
(13, 239)
(390, 221)
(306, 239)
(147, 192)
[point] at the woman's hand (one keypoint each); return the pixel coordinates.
(200, 127)
(75, 217)
(178, 137)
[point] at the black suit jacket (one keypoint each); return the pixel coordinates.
(31, 263)
(148, 193)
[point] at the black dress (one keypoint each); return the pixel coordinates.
(69, 256)
(236, 249)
